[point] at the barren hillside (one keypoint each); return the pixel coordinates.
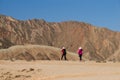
(97, 43)
(34, 52)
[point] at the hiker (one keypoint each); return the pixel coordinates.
(80, 52)
(63, 53)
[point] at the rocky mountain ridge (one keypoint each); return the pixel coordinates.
(97, 43)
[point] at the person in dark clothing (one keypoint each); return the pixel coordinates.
(63, 53)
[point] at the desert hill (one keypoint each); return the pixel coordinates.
(97, 43)
(34, 52)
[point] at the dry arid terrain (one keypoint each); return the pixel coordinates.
(34, 52)
(97, 43)
(35, 62)
(58, 70)
(31, 50)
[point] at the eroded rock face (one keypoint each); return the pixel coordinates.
(97, 43)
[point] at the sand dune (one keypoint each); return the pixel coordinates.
(58, 70)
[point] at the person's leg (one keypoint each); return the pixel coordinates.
(62, 56)
(80, 57)
(65, 57)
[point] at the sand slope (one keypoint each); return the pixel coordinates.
(34, 52)
(59, 70)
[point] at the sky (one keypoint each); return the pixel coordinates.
(100, 13)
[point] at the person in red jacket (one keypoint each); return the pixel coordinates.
(63, 53)
(80, 53)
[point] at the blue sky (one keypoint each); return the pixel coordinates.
(101, 13)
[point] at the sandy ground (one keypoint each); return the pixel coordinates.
(59, 70)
